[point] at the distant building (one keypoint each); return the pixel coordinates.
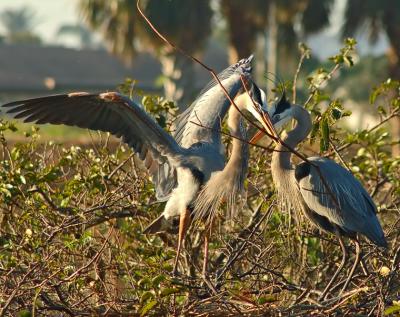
(33, 70)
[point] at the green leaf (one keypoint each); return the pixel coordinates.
(15, 154)
(266, 299)
(162, 121)
(350, 42)
(5, 191)
(158, 280)
(146, 296)
(392, 309)
(12, 127)
(65, 202)
(22, 178)
(338, 59)
(24, 313)
(314, 132)
(144, 282)
(336, 113)
(169, 291)
(324, 141)
(348, 60)
(148, 307)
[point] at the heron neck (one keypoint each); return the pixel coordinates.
(281, 156)
(239, 146)
(213, 104)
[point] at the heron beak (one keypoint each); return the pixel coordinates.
(284, 110)
(268, 126)
(257, 137)
(259, 113)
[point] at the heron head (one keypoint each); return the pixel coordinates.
(278, 115)
(281, 112)
(254, 101)
(259, 97)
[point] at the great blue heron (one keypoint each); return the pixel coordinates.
(181, 166)
(328, 194)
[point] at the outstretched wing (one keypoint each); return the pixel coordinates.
(353, 210)
(109, 112)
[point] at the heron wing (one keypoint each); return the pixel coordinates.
(200, 122)
(352, 208)
(108, 112)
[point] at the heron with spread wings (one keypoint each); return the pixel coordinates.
(327, 193)
(187, 168)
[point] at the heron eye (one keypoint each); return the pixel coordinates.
(277, 117)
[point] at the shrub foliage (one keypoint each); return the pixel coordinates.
(72, 217)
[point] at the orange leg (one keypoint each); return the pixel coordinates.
(184, 222)
(207, 235)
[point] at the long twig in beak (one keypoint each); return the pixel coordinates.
(257, 137)
(269, 128)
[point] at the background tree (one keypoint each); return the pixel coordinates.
(84, 35)
(186, 23)
(375, 17)
(282, 22)
(19, 25)
(244, 19)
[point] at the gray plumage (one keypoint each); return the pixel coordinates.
(179, 165)
(335, 202)
(355, 213)
(201, 121)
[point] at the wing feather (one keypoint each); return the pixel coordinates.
(356, 212)
(108, 112)
(208, 109)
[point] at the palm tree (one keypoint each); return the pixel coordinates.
(186, 23)
(81, 32)
(376, 17)
(244, 19)
(276, 20)
(18, 24)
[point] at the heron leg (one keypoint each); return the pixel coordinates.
(356, 262)
(206, 243)
(340, 268)
(184, 222)
(362, 261)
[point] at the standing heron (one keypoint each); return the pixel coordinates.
(180, 165)
(328, 194)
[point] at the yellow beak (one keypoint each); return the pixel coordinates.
(269, 128)
(257, 137)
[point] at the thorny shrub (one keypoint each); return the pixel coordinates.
(71, 240)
